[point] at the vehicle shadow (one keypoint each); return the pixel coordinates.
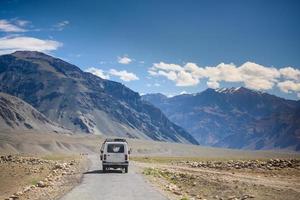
(106, 172)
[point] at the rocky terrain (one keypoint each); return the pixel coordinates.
(15, 114)
(272, 164)
(27, 177)
(227, 180)
(83, 102)
(235, 118)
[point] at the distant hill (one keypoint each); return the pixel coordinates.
(82, 101)
(15, 114)
(235, 118)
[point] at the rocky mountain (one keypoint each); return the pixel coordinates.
(235, 118)
(17, 114)
(82, 101)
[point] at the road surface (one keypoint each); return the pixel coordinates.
(113, 185)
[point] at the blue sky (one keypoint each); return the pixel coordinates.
(165, 46)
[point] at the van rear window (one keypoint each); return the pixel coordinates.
(115, 148)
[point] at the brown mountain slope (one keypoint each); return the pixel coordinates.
(15, 114)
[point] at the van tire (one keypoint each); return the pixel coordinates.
(126, 169)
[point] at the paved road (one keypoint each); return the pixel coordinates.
(112, 186)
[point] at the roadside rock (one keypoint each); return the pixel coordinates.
(173, 188)
(41, 184)
(13, 197)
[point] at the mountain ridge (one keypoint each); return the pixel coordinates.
(82, 101)
(235, 118)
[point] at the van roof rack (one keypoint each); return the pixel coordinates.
(115, 140)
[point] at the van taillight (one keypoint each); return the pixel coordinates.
(126, 157)
(104, 157)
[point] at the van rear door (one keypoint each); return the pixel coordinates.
(115, 152)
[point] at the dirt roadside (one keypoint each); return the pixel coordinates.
(39, 177)
(188, 180)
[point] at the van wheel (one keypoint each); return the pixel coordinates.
(103, 169)
(126, 169)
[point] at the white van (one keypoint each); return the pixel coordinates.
(114, 153)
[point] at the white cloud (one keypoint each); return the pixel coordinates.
(152, 73)
(7, 26)
(166, 67)
(213, 84)
(186, 79)
(290, 73)
(12, 44)
(171, 75)
(173, 72)
(124, 75)
(252, 75)
(124, 60)
(258, 77)
(98, 72)
(223, 72)
(194, 70)
(61, 25)
(156, 84)
(289, 86)
(22, 22)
